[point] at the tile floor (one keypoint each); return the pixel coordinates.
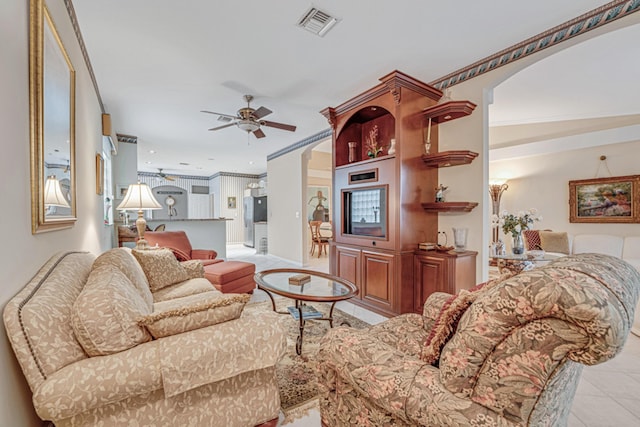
(608, 394)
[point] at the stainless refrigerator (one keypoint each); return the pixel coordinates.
(255, 210)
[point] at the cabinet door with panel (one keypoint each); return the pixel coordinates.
(378, 270)
(348, 265)
(442, 272)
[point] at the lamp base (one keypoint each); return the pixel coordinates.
(142, 245)
(141, 226)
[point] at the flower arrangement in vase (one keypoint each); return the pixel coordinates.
(515, 225)
(373, 149)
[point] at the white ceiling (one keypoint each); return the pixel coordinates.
(159, 62)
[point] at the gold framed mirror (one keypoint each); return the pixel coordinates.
(52, 125)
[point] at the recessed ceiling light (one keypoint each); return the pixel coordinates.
(152, 151)
(148, 163)
(250, 162)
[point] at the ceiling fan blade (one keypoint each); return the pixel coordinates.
(219, 114)
(261, 112)
(223, 126)
(170, 178)
(258, 133)
(278, 125)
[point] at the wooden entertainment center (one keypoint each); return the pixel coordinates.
(383, 189)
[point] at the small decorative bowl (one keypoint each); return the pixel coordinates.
(535, 254)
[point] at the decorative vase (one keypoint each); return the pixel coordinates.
(460, 238)
(517, 245)
(352, 151)
(392, 147)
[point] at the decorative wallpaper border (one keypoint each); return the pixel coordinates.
(302, 143)
(580, 25)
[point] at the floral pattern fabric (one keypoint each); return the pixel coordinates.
(161, 267)
(192, 312)
(515, 358)
(218, 375)
(184, 289)
(40, 314)
(123, 260)
(105, 314)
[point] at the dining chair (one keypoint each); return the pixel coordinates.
(317, 239)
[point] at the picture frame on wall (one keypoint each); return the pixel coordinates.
(121, 191)
(605, 200)
(99, 174)
(318, 203)
(231, 202)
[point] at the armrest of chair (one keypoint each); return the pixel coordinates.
(401, 384)
(203, 254)
(97, 381)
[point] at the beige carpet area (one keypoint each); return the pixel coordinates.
(297, 374)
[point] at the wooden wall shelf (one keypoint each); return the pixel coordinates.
(449, 206)
(447, 111)
(449, 158)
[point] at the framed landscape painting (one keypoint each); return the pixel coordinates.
(605, 200)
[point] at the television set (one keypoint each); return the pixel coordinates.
(365, 212)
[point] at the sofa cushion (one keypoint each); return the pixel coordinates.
(183, 289)
(599, 244)
(127, 264)
(532, 239)
(105, 313)
(631, 250)
(194, 268)
(552, 241)
(161, 267)
(450, 313)
(192, 312)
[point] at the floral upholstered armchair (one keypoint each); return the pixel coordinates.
(514, 360)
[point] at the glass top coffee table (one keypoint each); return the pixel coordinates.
(304, 286)
(519, 263)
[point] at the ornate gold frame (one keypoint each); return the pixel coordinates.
(41, 221)
(616, 202)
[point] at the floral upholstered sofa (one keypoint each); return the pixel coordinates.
(140, 339)
(514, 359)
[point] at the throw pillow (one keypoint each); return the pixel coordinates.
(192, 312)
(555, 242)
(104, 316)
(450, 314)
(532, 239)
(161, 267)
(194, 268)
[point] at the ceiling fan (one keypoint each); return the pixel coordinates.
(250, 120)
(165, 176)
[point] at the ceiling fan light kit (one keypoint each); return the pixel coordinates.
(249, 119)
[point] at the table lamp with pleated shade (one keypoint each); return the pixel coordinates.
(139, 197)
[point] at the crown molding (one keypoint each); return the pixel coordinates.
(589, 21)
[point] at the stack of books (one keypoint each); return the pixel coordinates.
(426, 246)
(308, 312)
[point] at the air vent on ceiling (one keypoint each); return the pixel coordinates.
(317, 21)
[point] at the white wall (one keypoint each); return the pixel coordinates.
(542, 182)
(23, 253)
(287, 189)
(470, 182)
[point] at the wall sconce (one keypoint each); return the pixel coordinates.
(53, 196)
(496, 188)
(139, 197)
